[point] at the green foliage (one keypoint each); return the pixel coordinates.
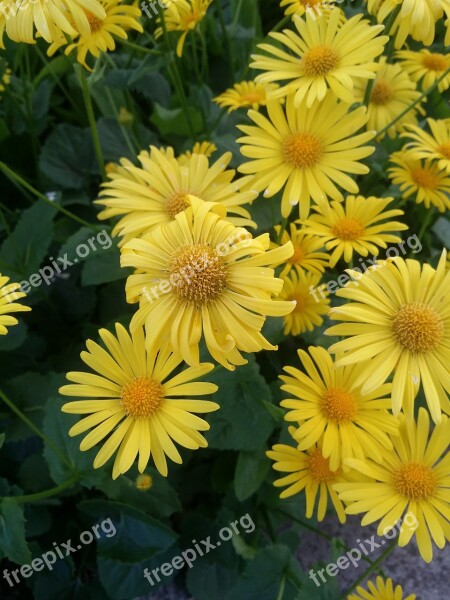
(12, 532)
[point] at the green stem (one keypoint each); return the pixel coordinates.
(281, 23)
(15, 178)
(281, 590)
(236, 17)
(428, 217)
(44, 494)
(226, 40)
(140, 48)
(126, 137)
(304, 524)
(282, 229)
(91, 118)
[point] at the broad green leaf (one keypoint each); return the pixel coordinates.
(251, 470)
(103, 267)
(12, 532)
(174, 121)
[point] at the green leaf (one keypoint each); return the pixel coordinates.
(12, 532)
(442, 229)
(54, 68)
(2, 439)
(104, 267)
(173, 120)
(208, 581)
(15, 337)
(251, 470)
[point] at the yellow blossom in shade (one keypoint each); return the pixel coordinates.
(382, 589)
(409, 483)
(119, 18)
(399, 319)
(426, 67)
(307, 250)
(183, 16)
(216, 284)
(360, 225)
(144, 482)
(326, 54)
(244, 95)
(305, 151)
(314, 7)
(49, 19)
(310, 307)
(205, 148)
(9, 293)
(133, 400)
(435, 145)
(5, 77)
(420, 179)
(154, 193)
(393, 91)
(329, 402)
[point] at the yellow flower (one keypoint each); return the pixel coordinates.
(325, 56)
(144, 482)
(306, 256)
(421, 178)
(205, 148)
(154, 193)
(305, 151)
(411, 480)
(399, 319)
(359, 225)
(426, 67)
(382, 589)
(200, 276)
(300, 7)
(8, 295)
(392, 93)
(184, 16)
(5, 76)
(436, 145)
(245, 94)
(304, 289)
(329, 402)
(133, 400)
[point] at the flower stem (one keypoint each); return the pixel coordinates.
(226, 40)
(44, 494)
(91, 118)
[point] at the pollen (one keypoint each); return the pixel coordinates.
(338, 405)
(417, 328)
(415, 481)
(319, 467)
(435, 62)
(319, 61)
(348, 229)
(177, 203)
(382, 93)
(302, 150)
(424, 178)
(141, 397)
(200, 272)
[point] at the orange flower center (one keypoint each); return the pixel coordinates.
(253, 98)
(424, 178)
(199, 274)
(319, 61)
(348, 229)
(417, 327)
(319, 467)
(141, 397)
(382, 93)
(94, 23)
(435, 62)
(302, 302)
(444, 149)
(177, 203)
(302, 150)
(415, 481)
(338, 405)
(298, 255)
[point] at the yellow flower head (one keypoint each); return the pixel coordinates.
(201, 277)
(144, 482)
(409, 484)
(8, 295)
(246, 94)
(360, 225)
(382, 589)
(426, 67)
(5, 76)
(307, 250)
(305, 151)
(324, 56)
(133, 400)
(205, 148)
(435, 145)
(184, 16)
(314, 7)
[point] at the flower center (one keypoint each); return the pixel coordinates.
(435, 62)
(94, 23)
(252, 98)
(144, 482)
(444, 149)
(382, 93)
(177, 203)
(338, 405)
(424, 178)
(298, 255)
(417, 327)
(302, 150)
(319, 61)
(200, 273)
(302, 302)
(415, 481)
(319, 467)
(348, 229)
(141, 397)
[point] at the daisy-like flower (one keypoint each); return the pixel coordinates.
(5, 76)
(300, 7)
(411, 480)
(200, 276)
(393, 91)
(154, 193)
(359, 225)
(326, 54)
(420, 179)
(399, 319)
(306, 151)
(311, 302)
(205, 148)
(119, 18)
(435, 145)
(309, 471)
(244, 95)
(329, 402)
(22, 21)
(132, 399)
(184, 16)
(8, 295)
(426, 67)
(382, 589)
(307, 250)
